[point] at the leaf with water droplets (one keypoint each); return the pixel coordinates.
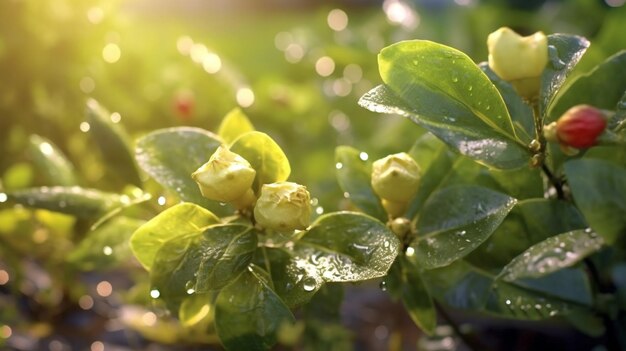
(248, 314)
(171, 155)
(609, 78)
(465, 286)
(201, 261)
(113, 142)
(50, 162)
(265, 156)
(72, 200)
(599, 188)
(564, 52)
(106, 246)
(455, 221)
(420, 84)
(354, 178)
(179, 220)
(553, 254)
(521, 112)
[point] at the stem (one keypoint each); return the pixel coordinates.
(556, 182)
(472, 342)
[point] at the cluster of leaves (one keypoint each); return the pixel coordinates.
(489, 233)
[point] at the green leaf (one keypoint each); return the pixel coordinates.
(249, 314)
(528, 223)
(454, 222)
(609, 78)
(179, 220)
(599, 189)
(197, 311)
(338, 247)
(51, 162)
(265, 156)
(235, 124)
(106, 246)
(521, 112)
(80, 202)
(354, 177)
(201, 262)
(441, 89)
(171, 155)
(564, 51)
(553, 254)
(464, 286)
(417, 299)
(426, 150)
(113, 143)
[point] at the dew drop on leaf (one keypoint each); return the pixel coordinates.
(308, 284)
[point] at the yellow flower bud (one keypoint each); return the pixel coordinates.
(283, 206)
(226, 177)
(518, 60)
(396, 177)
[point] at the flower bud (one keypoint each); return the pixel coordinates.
(283, 206)
(580, 126)
(396, 177)
(518, 60)
(226, 177)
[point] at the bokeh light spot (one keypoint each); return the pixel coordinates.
(104, 288)
(87, 85)
(184, 45)
(111, 53)
(245, 97)
(95, 15)
(337, 20)
(211, 63)
(85, 302)
(4, 277)
(97, 346)
(325, 66)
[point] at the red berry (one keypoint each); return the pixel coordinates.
(184, 105)
(580, 126)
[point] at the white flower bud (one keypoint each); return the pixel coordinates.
(226, 177)
(518, 60)
(396, 178)
(283, 206)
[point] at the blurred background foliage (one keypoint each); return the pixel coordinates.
(296, 69)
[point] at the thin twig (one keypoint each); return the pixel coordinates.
(556, 182)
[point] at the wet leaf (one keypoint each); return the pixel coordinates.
(441, 89)
(249, 314)
(553, 254)
(74, 200)
(599, 189)
(564, 52)
(179, 220)
(354, 177)
(106, 246)
(50, 162)
(194, 263)
(235, 124)
(171, 155)
(113, 143)
(454, 222)
(609, 77)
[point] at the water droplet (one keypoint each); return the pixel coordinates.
(383, 285)
(461, 248)
(461, 233)
(470, 88)
(410, 251)
(346, 194)
(508, 302)
(339, 165)
(386, 244)
(107, 250)
(154, 293)
(363, 156)
(3, 197)
(488, 107)
(189, 285)
(308, 284)
(455, 79)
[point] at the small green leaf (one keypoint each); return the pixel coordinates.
(609, 77)
(80, 202)
(453, 124)
(201, 262)
(106, 246)
(179, 220)
(235, 124)
(265, 156)
(521, 112)
(454, 222)
(599, 189)
(564, 51)
(426, 150)
(197, 311)
(171, 155)
(553, 254)
(353, 175)
(248, 314)
(51, 162)
(417, 299)
(113, 143)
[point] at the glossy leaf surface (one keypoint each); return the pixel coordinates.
(51, 162)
